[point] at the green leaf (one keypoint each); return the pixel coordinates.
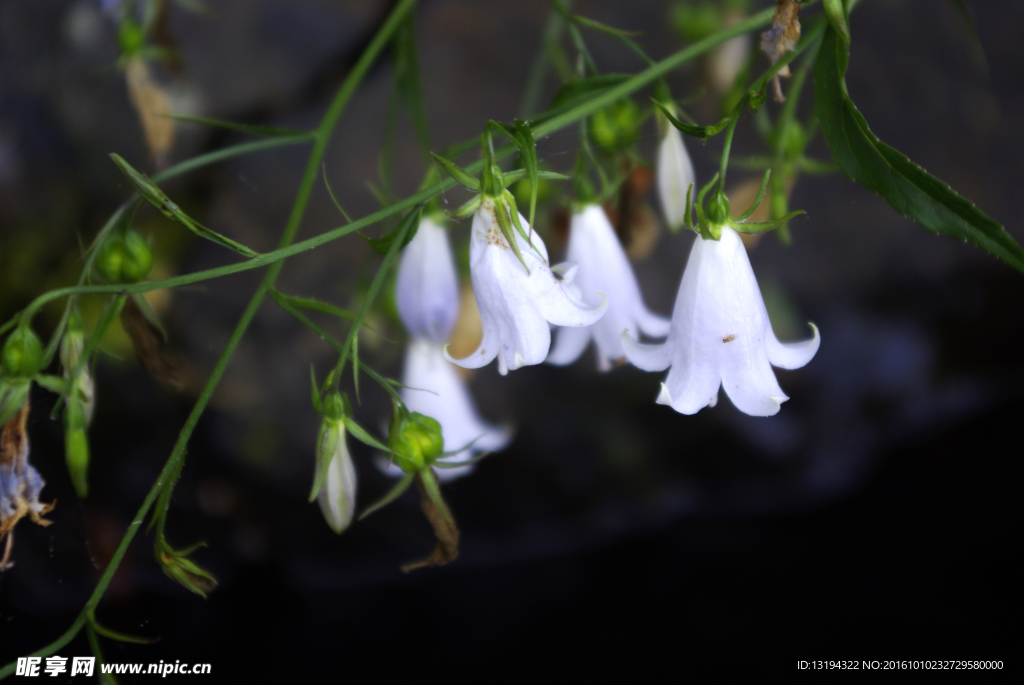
(383, 244)
(519, 174)
(529, 154)
(407, 79)
(156, 197)
(702, 132)
(458, 173)
(878, 167)
(392, 495)
(269, 131)
(360, 434)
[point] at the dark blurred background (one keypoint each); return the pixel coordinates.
(872, 518)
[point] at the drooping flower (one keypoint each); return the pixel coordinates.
(603, 268)
(427, 291)
(518, 299)
(721, 336)
(674, 174)
(428, 304)
(434, 388)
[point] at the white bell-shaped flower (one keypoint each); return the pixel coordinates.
(721, 336)
(603, 268)
(427, 289)
(435, 389)
(517, 303)
(337, 496)
(674, 175)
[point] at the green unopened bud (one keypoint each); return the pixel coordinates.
(124, 258)
(138, 258)
(617, 126)
(416, 441)
(110, 260)
(718, 208)
(71, 347)
(76, 448)
(129, 36)
(22, 353)
(793, 140)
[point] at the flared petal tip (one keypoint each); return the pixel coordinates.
(793, 355)
(476, 360)
(681, 405)
(646, 357)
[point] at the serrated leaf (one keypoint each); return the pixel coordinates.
(266, 131)
(878, 167)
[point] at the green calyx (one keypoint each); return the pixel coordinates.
(334, 407)
(415, 440)
(22, 354)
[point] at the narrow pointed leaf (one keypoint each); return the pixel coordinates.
(458, 173)
(156, 197)
(393, 494)
(702, 132)
(529, 153)
(269, 131)
(878, 167)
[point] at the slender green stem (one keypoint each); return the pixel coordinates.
(727, 147)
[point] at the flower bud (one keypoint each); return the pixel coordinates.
(110, 260)
(124, 258)
(337, 496)
(138, 258)
(22, 353)
(617, 126)
(130, 37)
(76, 454)
(71, 347)
(415, 441)
(76, 446)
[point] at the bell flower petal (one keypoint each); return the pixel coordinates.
(605, 270)
(721, 336)
(674, 176)
(517, 304)
(427, 289)
(435, 389)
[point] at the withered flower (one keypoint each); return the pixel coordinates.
(20, 483)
